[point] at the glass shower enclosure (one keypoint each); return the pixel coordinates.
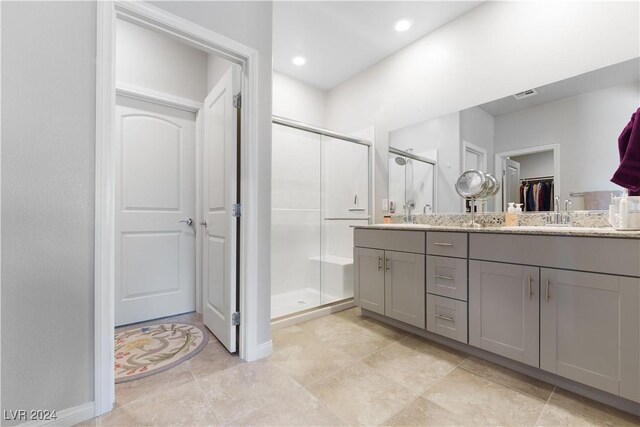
(320, 188)
(412, 183)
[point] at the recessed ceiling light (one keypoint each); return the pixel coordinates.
(402, 25)
(298, 60)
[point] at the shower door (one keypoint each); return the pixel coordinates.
(345, 203)
(320, 189)
(295, 220)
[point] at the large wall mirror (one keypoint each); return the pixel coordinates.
(555, 140)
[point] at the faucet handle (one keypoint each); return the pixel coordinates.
(567, 204)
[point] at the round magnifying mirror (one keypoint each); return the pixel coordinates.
(470, 184)
(494, 187)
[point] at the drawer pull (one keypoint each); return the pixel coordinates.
(442, 244)
(548, 296)
(444, 277)
(450, 319)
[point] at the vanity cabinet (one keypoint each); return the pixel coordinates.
(504, 310)
(590, 329)
(447, 277)
(447, 317)
(390, 274)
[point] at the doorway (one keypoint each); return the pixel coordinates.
(217, 129)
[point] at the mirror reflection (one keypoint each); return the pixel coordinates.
(554, 140)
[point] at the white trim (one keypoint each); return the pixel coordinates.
(499, 165)
(149, 16)
(161, 98)
(264, 350)
(198, 216)
(68, 417)
(472, 148)
(311, 314)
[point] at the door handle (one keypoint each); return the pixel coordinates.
(379, 263)
(530, 291)
(387, 264)
(548, 296)
(187, 221)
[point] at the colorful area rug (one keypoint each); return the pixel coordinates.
(147, 350)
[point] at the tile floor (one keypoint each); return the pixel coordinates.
(346, 369)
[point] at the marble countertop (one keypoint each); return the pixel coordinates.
(536, 230)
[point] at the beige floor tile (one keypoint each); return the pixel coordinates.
(214, 357)
(310, 360)
(430, 347)
(240, 390)
(361, 396)
(568, 409)
(409, 367)
(297, 408)
(130, 391)
(422, 412)
(523, 383)
(185, 405)
(358, 339)
(483, 401)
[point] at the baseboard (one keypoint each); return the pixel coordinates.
(567, 384)
(68, 417)
(264, 350)
(313, 313)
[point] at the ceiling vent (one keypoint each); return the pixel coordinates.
(525, 94)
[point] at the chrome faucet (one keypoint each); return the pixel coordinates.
(558, 218)
(408, 207)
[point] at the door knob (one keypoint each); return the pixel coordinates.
(187, 221)
(204, 224)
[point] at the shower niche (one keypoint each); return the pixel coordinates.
(320, 189)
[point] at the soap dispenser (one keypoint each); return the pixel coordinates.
(518, 208)
(510, 218)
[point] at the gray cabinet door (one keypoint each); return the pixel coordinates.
(504, 310)
(590, 329)
(369, 279)
(405, 287)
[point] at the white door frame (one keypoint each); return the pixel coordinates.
(467, 146)
(499, 164)
(157, 19)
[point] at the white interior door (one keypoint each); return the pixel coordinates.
(219, 193)
(511, 183)
(155, 192)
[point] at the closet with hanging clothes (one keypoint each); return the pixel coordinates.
(536, 194)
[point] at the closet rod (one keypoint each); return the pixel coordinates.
(537, 178)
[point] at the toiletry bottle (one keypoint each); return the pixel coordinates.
(624, 212)
(510, 218)
(518, 208)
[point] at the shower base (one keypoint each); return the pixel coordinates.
(291, 302)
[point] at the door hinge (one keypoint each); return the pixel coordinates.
(235, 319)
(237, 210)
(237, 101)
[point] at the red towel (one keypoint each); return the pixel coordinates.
(628, 173)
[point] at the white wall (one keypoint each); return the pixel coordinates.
(249, 23)
(496, 49)
(476, 127)
(48, 169)
(48, 140)
(441, 134)
(586, 127)
(295, 100)
(535, 165)
(216, 67)
(154, 61)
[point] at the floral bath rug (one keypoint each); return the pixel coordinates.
(147, 350)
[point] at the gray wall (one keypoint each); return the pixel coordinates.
(48, 139)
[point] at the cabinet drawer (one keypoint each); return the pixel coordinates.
(594, 254)
(391, 240)
(447, 277)
(447, 244)
(447, 317)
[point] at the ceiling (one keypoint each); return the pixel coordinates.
(613, 75)
(341, 39)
